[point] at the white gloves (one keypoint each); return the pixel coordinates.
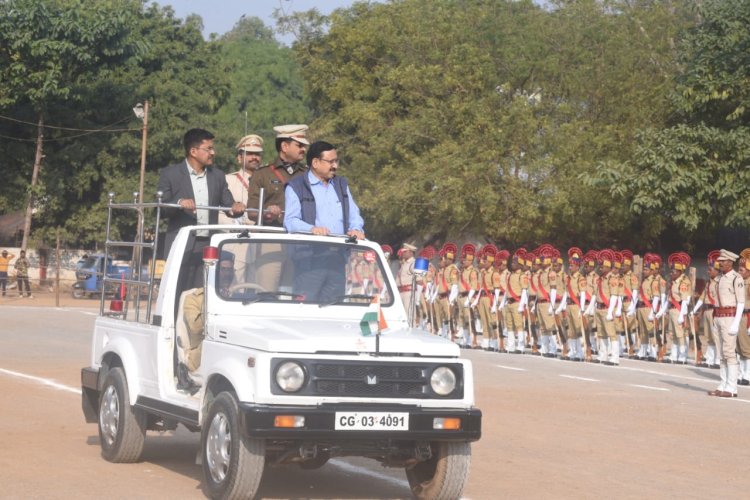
(618, 306)
(683, 312)
(697, 306)
(563, 304)
(524, 300)
(453, 294)
(633, 304)
(552, 300)
(582, 299)
(495, 298)
(467, 302)
(735, 327)
(475, 301)
(655, 305)
(591, 308)
(611, 310)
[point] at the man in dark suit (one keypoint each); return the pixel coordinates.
(195, 182)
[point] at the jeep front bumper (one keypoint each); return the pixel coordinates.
(320, 422)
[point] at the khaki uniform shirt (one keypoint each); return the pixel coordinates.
(447, 277)
(405, 272)
(680, 290)
(731, 289)
(469, 280)
(273, 178)
(238, 183)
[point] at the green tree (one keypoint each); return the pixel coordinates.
(690, 177)
(185, 80)
(49, 49)
(479, 117)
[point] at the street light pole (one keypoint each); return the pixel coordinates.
(143, 148)
(141, 111)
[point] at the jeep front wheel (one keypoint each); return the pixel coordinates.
(122, 428)
(232, 463)
(443, 476)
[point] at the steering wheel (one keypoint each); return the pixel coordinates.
(242, 286)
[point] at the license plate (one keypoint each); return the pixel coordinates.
(371, 421)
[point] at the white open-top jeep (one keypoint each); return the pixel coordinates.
(297, 363)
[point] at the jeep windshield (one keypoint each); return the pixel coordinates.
(336, 273)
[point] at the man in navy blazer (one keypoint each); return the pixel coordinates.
(195, 182)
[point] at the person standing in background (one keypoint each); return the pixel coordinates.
(5, 259)
(249, 155)
(22, 274)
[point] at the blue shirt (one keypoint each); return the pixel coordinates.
(328, 212)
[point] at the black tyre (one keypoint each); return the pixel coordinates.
(232, 463)
(122, 428)
(444, 475)
(79, 293)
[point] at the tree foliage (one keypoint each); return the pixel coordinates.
(480, 117)
(692, 174)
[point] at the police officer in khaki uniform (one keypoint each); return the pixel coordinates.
(743, 336)
(645, 311)
(249, 155)
(574, 295)
(468, 286)
(727, 318)
(630, 301)
(704, 308)
(427, 311)
(606, 301)
(678, 298)
(447, 290)
(590, 259)
(500, 298)
(485, 296)
(516, 303)
(405, 275)
(546, 289)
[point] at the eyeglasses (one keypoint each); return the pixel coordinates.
(331, 162)
(210, 150)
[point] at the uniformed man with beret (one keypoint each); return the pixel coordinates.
(405, 276)
(680, 291)
(704, 308)
(516, 303)
(467, 289)
(743, 335)
(727, 317)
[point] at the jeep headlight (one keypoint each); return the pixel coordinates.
(443, 381)
(290, 376)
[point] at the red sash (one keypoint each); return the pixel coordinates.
(278, 175)
(545, 293)
(509, 289)
(571, 294)
(242, 180)
(645, 299)
(605, 300)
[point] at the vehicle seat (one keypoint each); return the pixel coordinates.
(183, 339)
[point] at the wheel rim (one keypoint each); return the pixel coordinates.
(109, 415)
(218, 446)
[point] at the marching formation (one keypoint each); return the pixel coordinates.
(598, 307)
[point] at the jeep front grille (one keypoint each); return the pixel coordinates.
(369, 379)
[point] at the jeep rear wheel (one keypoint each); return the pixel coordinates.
(444, 475)
(122, 428)
(232, 463)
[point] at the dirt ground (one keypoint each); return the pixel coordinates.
(551, 428)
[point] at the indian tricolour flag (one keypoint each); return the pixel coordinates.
(373, 321)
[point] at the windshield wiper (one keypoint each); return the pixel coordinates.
(341, 298)
(265, 295)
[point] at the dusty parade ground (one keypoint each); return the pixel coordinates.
(551, 429)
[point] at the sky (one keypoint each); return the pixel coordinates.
(219, 16)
